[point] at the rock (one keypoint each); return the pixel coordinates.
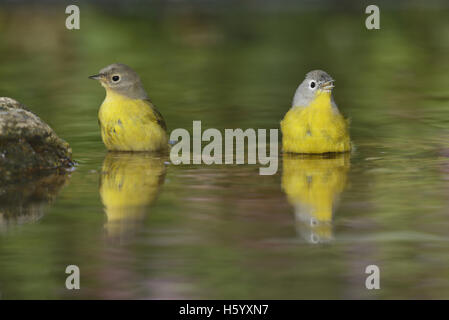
(27, 144)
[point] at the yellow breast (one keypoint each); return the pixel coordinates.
(131, 124)
(317, 128)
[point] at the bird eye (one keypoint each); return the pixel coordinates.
(115, 78)
(312, 84)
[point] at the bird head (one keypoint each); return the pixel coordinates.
(315, 83)
(121, 79)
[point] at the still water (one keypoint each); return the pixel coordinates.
(140, 227)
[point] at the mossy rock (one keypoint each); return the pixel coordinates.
(27, 144)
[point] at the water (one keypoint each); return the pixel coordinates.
(140, 227)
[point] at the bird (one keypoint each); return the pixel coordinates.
(128, 119)
(314, 125)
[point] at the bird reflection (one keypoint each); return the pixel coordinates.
(130, 182)
(313, 184)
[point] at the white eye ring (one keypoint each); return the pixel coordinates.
(115, 78)
(312, 84)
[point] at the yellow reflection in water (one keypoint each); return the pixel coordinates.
(129, 184)
(313, 184)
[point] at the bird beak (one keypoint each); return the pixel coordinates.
(327, 86)
(97, 76)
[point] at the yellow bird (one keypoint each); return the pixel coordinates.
(314, 125)
(128, 120)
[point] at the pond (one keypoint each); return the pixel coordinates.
(140, 227)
